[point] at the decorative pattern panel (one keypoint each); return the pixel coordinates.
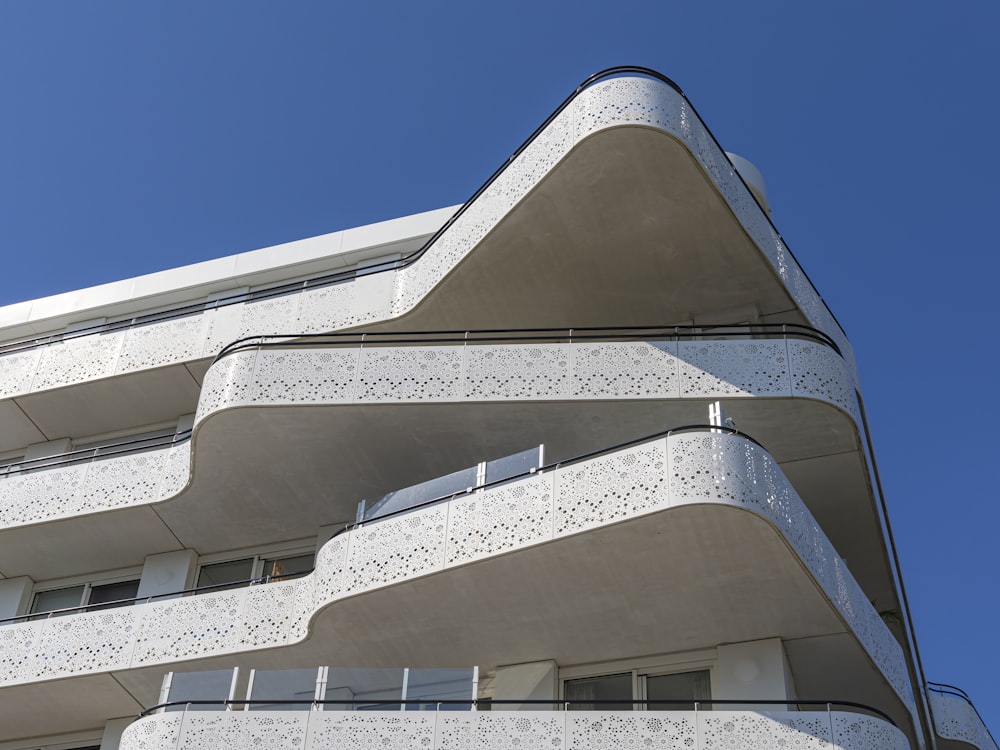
(327, 308)
(515, 372)
(624, 370)
(268, 316)
(270, 609)
(89, 642)
(83, 358)
(516, 730)
(716, 368)
(222, 327)
(586, 371)
(817, 372)
(163, 343)
(17, 370)
(31, 497)
(227, 383)
(856, 732)
(18, 652)
(187, 628)
(266, 730)
(304, 376)
(611, 488)
(176, 470)
(956, 719)
(122, 480)
(500, 519)
(397, 548)
(327, 583)
(159, 732)
(806, 731)
(512, 730)
(420, 373)
(408, 730)
(590, 730)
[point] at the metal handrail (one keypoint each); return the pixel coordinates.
(227, 704)
(104, 451)
(442, 498)
(342, 276)
(604, 333)
(942, 688)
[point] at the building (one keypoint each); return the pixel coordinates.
(702, 535)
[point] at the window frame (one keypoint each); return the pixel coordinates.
(259, 556)
(641, 668)
(87, 584)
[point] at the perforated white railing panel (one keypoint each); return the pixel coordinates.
(514, 730)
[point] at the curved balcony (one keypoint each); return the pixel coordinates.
(332, 410)
(485, 730)
(532, 562)
(956, 721)
(531, 247)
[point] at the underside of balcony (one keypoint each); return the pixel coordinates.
(682, 578)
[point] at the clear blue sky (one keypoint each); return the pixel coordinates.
(137, 136)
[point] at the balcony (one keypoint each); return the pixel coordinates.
(716, 729)
(956, 721)
(341, 414)
(540, 244)
(474, 570)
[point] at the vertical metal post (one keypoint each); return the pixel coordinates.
(232, 688)
(168, 678)
(697, 724)
(406, 686)
(829, 718)
(246, 706)
(322, 676)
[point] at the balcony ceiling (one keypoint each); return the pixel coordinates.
(628, 229)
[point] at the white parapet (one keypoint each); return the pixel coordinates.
(957, 719)
(500, 730)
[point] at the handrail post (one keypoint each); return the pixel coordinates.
(829, 718)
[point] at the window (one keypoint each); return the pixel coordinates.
(257, 569)
(678, 691)
(232, 572)
(91, 596)
(288, 567)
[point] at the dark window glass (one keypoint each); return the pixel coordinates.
(590, 690)
(683, 686)
(288, 567)
(111, 592)
(236, 572)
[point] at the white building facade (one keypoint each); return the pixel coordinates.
(295, 497)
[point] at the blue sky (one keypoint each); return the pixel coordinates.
(140, 136)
